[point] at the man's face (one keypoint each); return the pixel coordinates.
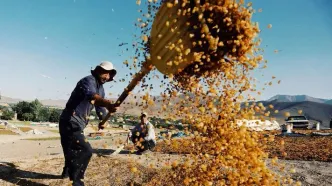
(143, 119)
(105, 76)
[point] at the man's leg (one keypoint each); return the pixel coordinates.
(65, 143)
(146, 145)
(80, 154)
(151, 144)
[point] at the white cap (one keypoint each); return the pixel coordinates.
(144, 113)
(106, 65)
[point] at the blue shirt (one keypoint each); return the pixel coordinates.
(79, 104)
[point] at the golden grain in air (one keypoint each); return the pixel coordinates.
(300, 111)
(286, 114)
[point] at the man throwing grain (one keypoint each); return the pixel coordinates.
(143, 135)
(89, 92)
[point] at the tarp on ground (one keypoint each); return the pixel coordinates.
(259, 125)
(34, 131)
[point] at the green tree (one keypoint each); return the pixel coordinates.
(7, 114)
(22, 108)
(29, 110)
(34, 111)
(27, 116)
(35, 106)
(55, 115)
(44, 114)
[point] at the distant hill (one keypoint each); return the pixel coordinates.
(54, 103)
(128, 106)
(329, 102)
(9, 100)
(297, 98)
(321, 112)
(314, 108)
(48, 102)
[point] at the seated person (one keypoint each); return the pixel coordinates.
(143, 135)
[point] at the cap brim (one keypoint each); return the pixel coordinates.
(113, 71)
(112, 74)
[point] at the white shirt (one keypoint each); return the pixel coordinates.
(150, 134)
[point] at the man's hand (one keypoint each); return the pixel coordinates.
(99, 101)
(141, 140)
(112, 108)
(101, 127)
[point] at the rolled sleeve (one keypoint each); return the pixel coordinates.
(88, 87)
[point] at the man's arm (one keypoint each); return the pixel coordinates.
(88, 86)
(101, 111)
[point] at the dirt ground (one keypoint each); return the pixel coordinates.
(31, 162)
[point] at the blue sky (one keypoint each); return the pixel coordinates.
(46, 46)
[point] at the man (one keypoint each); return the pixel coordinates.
(89, 92)
(143, 135)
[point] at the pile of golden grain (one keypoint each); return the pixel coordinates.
(209, 92)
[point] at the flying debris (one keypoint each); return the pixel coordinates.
(121, 44)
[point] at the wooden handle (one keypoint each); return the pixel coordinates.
(146, 68)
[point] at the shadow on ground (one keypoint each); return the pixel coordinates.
(10, 173)
(105, 152)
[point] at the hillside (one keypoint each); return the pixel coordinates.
(312, 110)
(47, 102)
(9, 100)
(329, 102)
(296, 98)
(317, 109)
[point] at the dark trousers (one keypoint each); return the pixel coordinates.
(146, 145)
(77, 150)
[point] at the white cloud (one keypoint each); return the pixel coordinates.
(45, 76)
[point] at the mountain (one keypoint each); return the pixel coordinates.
(128, 106)
(54, 103)
(47, 102)
(321, 112)
(297, 98)
(9, 100)
(329, 102)
(313, 108)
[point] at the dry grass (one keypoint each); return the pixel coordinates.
(19, 122)
(7, 132)
(54, 130)
(101, 171)
(305, 131)
(317, 148)
(113, 128)
(2, 127)
(43, 139)
(25, 129)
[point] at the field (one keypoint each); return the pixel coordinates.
(314, 148)
(7, 132)
(41, 162)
